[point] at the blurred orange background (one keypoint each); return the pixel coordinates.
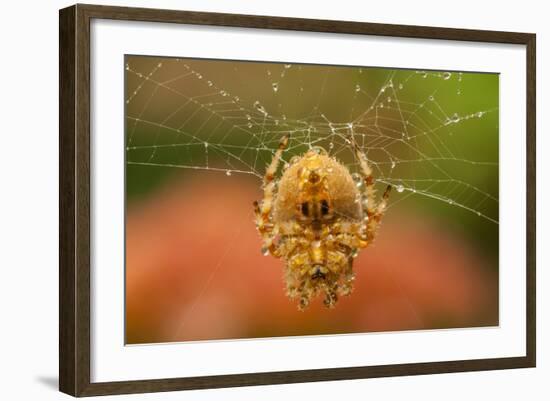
(195, 272)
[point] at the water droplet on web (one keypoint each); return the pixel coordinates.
(431, 98)
(260, 108)
(294, 159)
(318, 150)
(479, 114)
(209, 83)
(479, 213)
(199, 76)
(249, 125)
(389, 99)
(400, 188)
(350, 125)
(450, 202)
(357, 88)
(223, 93)
(357, 179)
(206, 144)
(265, 251)
(331, 145)
(228, 172)
(159, 65)
(287, 66)
(393, 164)
(127, 67)
(458, 92)
(275, 86)
(400, 86)
(455, 118)
(354, 252)
(459, 76)
(446, 75)
(236, 98)
(381, 105)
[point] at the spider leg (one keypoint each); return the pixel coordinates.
(374, 210)
(263, 210)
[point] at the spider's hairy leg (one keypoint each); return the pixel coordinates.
(366, 172)
(263, 210)
(375, 219)
(374, 210)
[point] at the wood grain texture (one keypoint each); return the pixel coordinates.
(74, 199)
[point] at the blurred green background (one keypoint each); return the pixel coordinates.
(199, 134)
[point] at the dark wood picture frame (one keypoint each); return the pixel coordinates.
(74, 199)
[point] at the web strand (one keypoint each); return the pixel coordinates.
(185, 114)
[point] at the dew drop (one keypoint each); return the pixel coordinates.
(479, 114)
(260, 108)
(446, 75)
(450, 202)
(354, 253)
(294, 159)
(265, 251)
(249, 125)
(159, 65)
(357, 88)
(228, 173)
(318, 150)
(209, 83)
(400, 188)
(393, 164)
(275, 86)
(400, 86)
(357, 179)
(287, 66)
(431, 98)
(331, 145)
(389, 99)
(458, 92)
(127, 67)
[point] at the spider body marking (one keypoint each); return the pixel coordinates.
(317, 218)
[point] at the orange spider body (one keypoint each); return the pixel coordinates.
(317, 220)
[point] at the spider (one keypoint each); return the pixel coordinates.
(317, 218)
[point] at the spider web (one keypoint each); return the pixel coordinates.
(423, 132)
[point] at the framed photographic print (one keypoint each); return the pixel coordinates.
(251, 200)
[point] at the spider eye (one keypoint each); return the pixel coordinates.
(324, 207)
(305, 209)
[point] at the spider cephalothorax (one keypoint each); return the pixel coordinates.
(317, 218)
